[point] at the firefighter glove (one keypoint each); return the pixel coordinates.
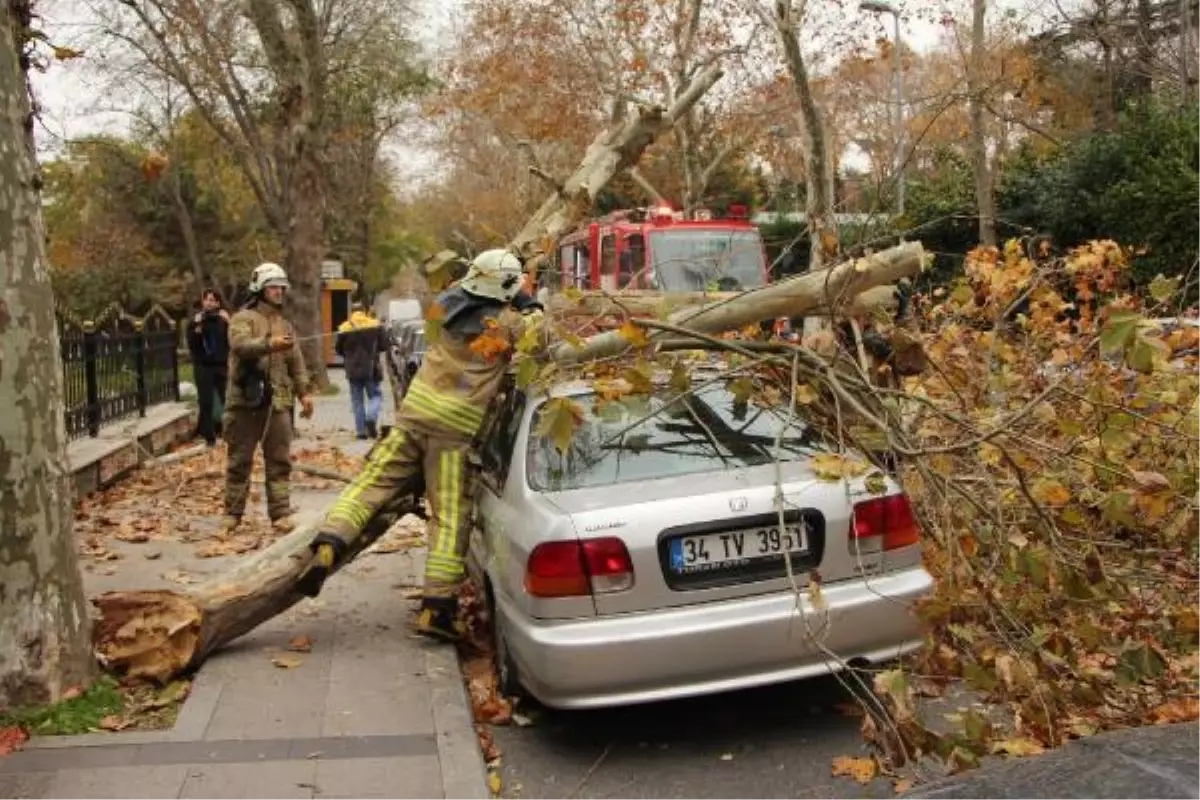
(327, 551)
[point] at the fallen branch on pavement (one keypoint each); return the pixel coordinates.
(159, 634)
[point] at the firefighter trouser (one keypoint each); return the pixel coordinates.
(394, 468)
(245, 428)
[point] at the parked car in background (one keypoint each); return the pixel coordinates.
(409, 346)
(647, 562)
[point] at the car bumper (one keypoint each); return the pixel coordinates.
(714, 647)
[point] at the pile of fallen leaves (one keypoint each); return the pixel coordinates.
(183, 502)
(1057, 487)
(477, 657)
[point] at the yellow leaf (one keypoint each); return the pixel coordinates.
(903, 785)
(741, 389)
(633, 333)
(833, 467)
(494, 784)
(558, 420)
(573, 294)
(805, 395)
(1019, 746)
(1051, 492)
(862, 770)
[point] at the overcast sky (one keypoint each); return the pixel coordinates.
(72, 94)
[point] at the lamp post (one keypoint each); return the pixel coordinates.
(884, 7)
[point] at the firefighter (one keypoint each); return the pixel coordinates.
(435, 427)
(266, 376)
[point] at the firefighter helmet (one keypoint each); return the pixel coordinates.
(268, 274)
(494, 273)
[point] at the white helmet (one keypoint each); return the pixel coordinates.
(494, 273)
(268, 274)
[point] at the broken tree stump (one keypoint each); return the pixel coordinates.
(159, 634)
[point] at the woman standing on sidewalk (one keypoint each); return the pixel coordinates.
(208, 341)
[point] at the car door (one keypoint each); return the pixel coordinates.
(494, 515)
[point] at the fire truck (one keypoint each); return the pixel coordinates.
(661, 249)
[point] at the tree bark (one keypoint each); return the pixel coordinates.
(305, 250)
(825, 243)
(985, 200)
(832, 288)
(646, 303)
(44, 625)
(612, 151)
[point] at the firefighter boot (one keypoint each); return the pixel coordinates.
(438, 619)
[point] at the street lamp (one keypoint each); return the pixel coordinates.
(884, 7)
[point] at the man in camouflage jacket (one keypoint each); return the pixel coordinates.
(267, 377)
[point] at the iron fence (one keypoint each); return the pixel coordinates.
(116, 366)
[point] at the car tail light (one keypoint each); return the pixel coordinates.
(888, 517)
(578, 568)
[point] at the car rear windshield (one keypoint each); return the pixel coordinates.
(627, 441)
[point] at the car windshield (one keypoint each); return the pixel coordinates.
(697, 260)
(706, 432)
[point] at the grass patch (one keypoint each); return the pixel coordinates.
(80, 714)
(104, 706)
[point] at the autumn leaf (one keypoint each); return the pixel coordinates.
(834, 467)
(491, 344)
(862, 770)
(573, 294)
(633, 333)
(1019, 746)
(805, 394)
(558, 421)
(495, 786)
(12, 738)
(527, 370)
(1051, 492)
(681, 379)
(115, 722)
(286, 662)
(300, 644)
(742, 389)
(876, 483)
(1162, 288)
(1118, 331)
(1183, 710)
(66, 53)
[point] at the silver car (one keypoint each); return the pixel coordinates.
(647, 562)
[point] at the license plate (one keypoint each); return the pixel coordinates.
(721, 551)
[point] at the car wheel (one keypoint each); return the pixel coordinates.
(508, 679)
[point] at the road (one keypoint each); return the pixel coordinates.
(771, 742)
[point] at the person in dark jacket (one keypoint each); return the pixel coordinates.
(360, 341)
(208, 341)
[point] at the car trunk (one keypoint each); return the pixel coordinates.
(715, 536)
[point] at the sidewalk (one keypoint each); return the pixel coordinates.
(371, 711)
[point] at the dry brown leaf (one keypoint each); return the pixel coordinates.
(115, 722)
(862, 770)
(903, 785)
(286, 662)
(300, 644)
(72, 693)
(1019, 746)
(12, 738)
(1183, 710)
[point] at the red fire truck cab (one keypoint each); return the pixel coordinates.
(661, 249)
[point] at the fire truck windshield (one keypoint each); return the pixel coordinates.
(698, 259)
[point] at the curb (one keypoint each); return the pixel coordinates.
(464, 775)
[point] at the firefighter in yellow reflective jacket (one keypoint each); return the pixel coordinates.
(436, 426)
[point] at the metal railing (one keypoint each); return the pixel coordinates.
(116, 366)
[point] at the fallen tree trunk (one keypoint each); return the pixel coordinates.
(647, 303)
(833, 289)
(158, 634)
